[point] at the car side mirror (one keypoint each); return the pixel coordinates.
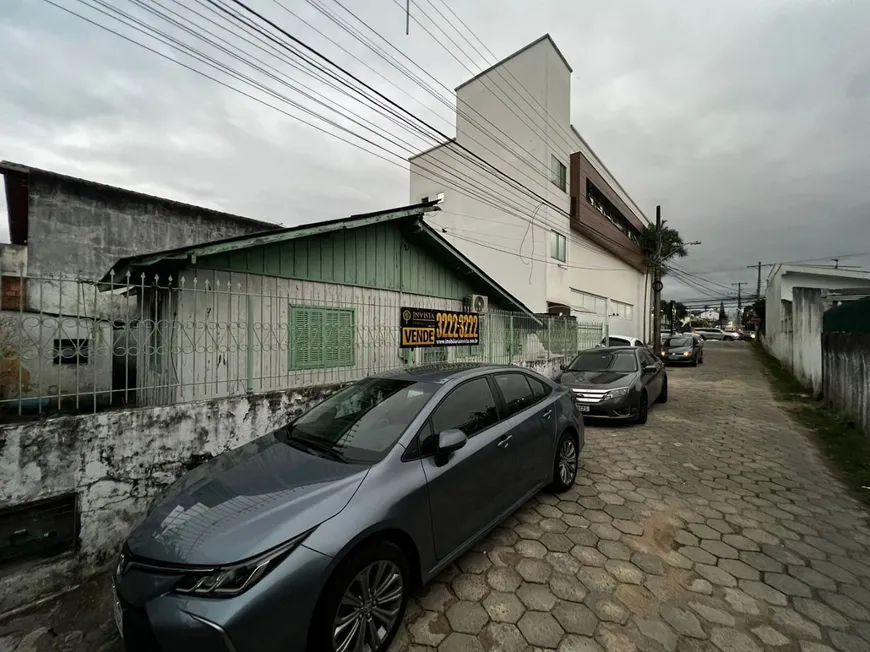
(649, 368)
(451, 440)
(563, 367)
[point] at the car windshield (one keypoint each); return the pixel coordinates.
(678, 341)
(362, 422)
(604, 361)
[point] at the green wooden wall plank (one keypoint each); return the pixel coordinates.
(377, 256)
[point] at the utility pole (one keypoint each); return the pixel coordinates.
(758, 283)
(657, 281)
(673, 311)
(739, 302)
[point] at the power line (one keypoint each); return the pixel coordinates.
(197, 55)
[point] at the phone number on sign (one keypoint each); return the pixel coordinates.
(456, 326)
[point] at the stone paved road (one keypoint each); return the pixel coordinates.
(714, 528)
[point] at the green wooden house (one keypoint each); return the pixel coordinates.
(307, 305)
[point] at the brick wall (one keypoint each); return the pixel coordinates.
(11, 293)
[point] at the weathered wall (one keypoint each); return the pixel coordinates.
(846, 374)
(82, 229)
(30, 368)
(117, 462)
(806, 348)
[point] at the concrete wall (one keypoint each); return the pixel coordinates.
(118, 462)
(81, 229)
(846, 374)
(806, 347)
(516, 117)
(30, 368)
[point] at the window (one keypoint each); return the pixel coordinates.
(361, 422)
(559, 173)
(321, 338)
(516, 392)
(539, 389)
(611, 361)
(72, 351)
(557, 246)
(620, 309)
(616, 341)
(589, 302)
(646, 358)
(470, 408)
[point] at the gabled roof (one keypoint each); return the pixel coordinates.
(545, 37)
(410, 216)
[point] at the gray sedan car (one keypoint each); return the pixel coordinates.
(616, 382)
(310, 538)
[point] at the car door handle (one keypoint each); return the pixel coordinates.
(504, 441)
(547, 414)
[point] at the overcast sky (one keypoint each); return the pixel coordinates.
(746, 120)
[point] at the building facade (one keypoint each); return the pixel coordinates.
(320, 304)
(59, 333)
(798, 297)
(571, 244)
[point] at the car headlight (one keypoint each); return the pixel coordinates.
(234, 579)
(616, 393)
(687, 353)
(664, 352)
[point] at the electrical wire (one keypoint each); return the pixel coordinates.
(208, 60)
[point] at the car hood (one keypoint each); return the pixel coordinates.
(597, 379)
(244, 502)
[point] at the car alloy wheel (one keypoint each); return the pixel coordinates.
(369, 608)
(567, 461)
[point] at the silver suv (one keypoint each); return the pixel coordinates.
(716, 334)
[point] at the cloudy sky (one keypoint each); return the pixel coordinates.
(746, 120)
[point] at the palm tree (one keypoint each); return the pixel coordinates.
(672, 245)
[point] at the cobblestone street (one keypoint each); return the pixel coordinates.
(714, 528)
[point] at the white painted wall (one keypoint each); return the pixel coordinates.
(231, 336)
(793, 331)
(506, 232)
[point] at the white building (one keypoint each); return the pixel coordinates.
(796, 299)
(583, 256)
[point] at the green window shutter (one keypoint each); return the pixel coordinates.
(346, 336)
(321, 338)
(300, 343)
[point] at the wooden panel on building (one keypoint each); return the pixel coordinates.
(589, 222)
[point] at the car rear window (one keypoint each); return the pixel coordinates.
(679, 341)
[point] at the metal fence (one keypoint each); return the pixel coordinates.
(70, 345)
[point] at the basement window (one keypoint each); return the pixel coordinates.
(68, 351)
(39, 529)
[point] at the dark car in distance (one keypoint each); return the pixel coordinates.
(682, 349)
(616, 382)
(312, 537)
